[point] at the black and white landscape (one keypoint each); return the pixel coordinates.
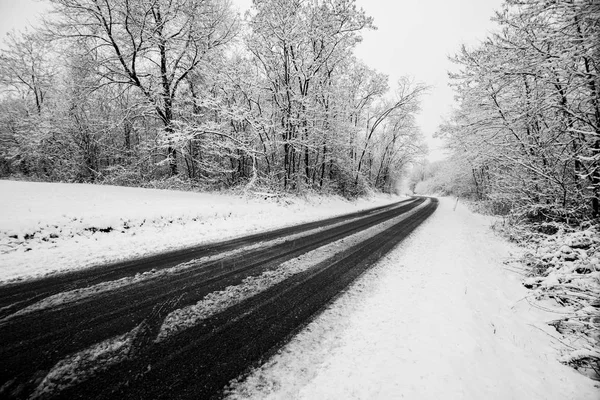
(299, 199)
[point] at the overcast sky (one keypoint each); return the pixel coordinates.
(413, 38)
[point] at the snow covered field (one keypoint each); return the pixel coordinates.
(440, 317)
(47, 227)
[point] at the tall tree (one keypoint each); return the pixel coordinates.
(298, 44)
(529, 106)
(152, 45)
(26, 67)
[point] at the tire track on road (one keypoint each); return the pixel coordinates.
(201, 361)
(33, 343)
(14, 296)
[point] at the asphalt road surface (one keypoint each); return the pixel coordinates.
(198, 362)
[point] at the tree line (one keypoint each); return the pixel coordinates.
(526, 133)
(132, 91)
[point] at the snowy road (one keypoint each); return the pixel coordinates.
(20, 295)
(183, 325)
(440, 317)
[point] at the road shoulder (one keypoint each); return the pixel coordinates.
(440, 316)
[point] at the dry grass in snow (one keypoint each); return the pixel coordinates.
(564, 276)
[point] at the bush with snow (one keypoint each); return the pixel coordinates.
(565, 267)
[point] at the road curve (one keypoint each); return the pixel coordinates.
(197, 362)
(17, 295)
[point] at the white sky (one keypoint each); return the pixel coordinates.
(413, 38)
(17, 14)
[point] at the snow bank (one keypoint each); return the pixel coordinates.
(48, 227)
(440, 317)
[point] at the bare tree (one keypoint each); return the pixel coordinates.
(26, 66)
(152, 45)
(528, 117)
(405, 103)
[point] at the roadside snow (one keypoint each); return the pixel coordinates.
(440, 317)
(564, 271)
(48, 227)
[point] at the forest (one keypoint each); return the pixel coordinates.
(525, 136)
(190, 92)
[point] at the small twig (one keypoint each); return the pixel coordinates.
(516, 271)
(521, 299)
(547, 309)
(553, 337)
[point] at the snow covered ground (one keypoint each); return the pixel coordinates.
(47, 227)
(440, 317)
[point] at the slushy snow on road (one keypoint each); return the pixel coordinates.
(439, 317)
